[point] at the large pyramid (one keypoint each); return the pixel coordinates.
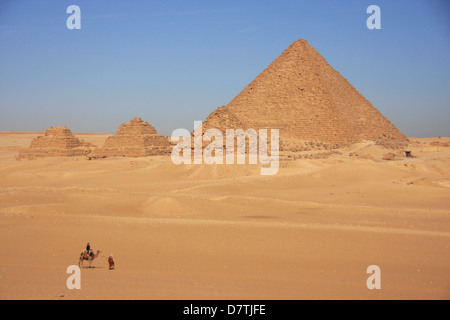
(308, 101)
(57, 142)
(136, 138)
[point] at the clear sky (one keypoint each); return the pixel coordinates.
(173, 62)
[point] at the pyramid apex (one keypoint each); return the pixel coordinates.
(300, 44)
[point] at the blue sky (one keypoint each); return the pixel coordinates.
(173, 62)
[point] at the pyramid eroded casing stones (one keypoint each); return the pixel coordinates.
(136, 138)
(308, 101)
(57, 142)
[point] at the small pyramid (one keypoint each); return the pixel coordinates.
(57, 142)
(308, 101)
(136, 138)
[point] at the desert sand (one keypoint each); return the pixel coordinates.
(225, 231)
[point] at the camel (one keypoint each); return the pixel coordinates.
(90, 258)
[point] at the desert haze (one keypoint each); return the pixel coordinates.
(225, 231)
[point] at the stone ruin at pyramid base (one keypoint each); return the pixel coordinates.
(53, 152)
(129, 152)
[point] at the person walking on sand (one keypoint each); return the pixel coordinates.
(111, 262)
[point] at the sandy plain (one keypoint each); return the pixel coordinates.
(226, 232)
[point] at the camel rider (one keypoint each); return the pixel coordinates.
(89, 251)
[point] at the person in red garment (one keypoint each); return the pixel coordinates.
(111, 262)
